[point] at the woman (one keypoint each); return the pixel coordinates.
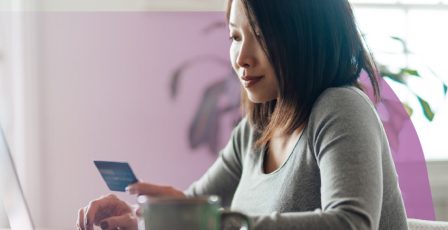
(311, 152)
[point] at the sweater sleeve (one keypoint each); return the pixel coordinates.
(223, 176)
(347, 139)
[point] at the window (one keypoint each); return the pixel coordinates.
(422, 25)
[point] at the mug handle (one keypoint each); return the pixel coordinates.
(231, 220)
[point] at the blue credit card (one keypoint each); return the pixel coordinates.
(117, 175)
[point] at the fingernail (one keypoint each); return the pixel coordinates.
(104, 225)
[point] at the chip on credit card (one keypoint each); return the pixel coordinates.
(117, 175)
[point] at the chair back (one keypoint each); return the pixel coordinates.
(415, 224)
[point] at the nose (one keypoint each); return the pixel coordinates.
(246, 58)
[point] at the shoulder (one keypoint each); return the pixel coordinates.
(338, 98)
(343, 103)
(343, 111)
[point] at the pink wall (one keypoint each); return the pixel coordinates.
(105, 95)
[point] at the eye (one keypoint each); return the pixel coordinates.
(234, 38)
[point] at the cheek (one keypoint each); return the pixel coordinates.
(233, 56)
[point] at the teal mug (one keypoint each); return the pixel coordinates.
(193, 213)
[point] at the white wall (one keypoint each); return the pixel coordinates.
(4, 94)
(19, 101)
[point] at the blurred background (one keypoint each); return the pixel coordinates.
(125, 80)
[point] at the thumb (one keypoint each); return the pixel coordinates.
(123, 222)
(148, 189)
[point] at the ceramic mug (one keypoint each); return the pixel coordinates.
(193, 213)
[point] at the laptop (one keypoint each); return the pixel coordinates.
(11, 193)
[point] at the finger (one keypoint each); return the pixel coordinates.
(80, 221)
(94, 213)
(139, 212)
(92, 209)
(148, 189)
(153, 190)
(89, 215)
(85, 221)
(127, 221)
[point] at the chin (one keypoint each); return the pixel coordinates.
(258, 99)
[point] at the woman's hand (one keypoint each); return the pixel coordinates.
(152, 190)
(108, 212)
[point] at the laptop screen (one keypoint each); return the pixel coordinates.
(11, 194)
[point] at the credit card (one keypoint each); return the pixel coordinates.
(117, 175)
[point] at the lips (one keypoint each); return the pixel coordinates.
(249, 81)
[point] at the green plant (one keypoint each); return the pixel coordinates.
(403, 74)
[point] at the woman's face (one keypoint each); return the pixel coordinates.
(249, 61)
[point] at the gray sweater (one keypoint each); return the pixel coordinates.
(340, 174)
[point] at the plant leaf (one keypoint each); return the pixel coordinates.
(411, 72)
(427, 111)
(395, 77)
(408, 109)
(398, 39)
(385, 72)
(174, 85)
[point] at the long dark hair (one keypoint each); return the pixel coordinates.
(312, 45)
